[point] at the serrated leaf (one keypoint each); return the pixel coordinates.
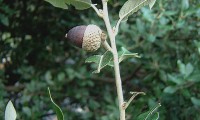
(78, 4)
(124, 54)
(100, 60)
(150, 115)
(57, 109)
(10, 113)
(132, 6)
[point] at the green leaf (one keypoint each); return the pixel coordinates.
(4, 20)
(150, 115)
(151, 4)
(188, 69)
(81, 4)
(125, 54)
(100, 60)
(185, 4)
(175, 79)
(185, 70)
(10, 113)
(59, 3)
(107, 57)
(78, 4)
(93, 59)
(195, 101)
(132, 6)
(181, 67)
(57, 109)
(170, 89)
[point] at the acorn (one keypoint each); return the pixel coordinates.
(86, 37)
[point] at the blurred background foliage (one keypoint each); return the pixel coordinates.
(34, 55)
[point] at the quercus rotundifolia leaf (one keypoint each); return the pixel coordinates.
(78, 4)
(100, 60)
(10, 113)
(150, 115)
(132, 6)
(81, 4)
(59, 3)
(124, 54)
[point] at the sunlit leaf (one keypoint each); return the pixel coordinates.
(57, 109)
(10, 113)
(132, 6)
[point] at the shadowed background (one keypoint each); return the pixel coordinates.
(34, 55)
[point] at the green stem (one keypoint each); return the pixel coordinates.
(115, 59)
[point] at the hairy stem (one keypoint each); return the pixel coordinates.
(116, 61)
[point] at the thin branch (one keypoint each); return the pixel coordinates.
(133, 96)
(15, 88)
(96, 10)
(107, 46)
(117, 26)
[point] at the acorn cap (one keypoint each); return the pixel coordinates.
(86, 37)
(92, 38)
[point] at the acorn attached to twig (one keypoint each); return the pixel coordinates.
(87, 37)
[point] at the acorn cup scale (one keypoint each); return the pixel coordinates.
(86, 37)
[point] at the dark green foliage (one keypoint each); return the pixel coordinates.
(34, 55)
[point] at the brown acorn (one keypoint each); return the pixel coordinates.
(87, 37)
